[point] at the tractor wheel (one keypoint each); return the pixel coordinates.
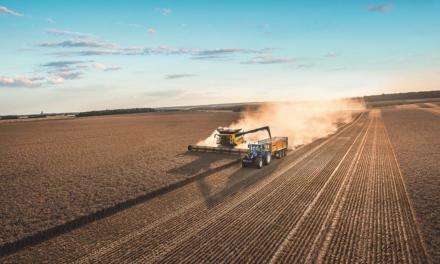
(267, 159)
(259, 163)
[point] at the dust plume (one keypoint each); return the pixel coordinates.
(302, 122)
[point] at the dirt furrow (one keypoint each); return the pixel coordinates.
(253, 224)
(190, 229)
(357, 197)
(415, 248)
(377, 226)
(349, 225)
(238, 216)
(365, 174)
(301, 239)
(179, 225)
(327, 229)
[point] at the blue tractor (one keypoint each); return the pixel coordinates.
(257, 156)
(260, 153)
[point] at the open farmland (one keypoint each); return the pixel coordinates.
(415, 134)
(338, 199)
(55, 171)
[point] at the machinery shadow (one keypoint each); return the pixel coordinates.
(201, 167)
(240, 181)
(197, 170)
(202, 163)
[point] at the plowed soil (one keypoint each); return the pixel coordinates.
(54, 171)
(415, 135)
(338, 199)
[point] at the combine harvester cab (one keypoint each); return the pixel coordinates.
(260, 153)
(227, 141)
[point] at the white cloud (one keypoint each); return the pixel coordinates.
(98, 48)
(61, 32)
(56, 80)
(165, 11)
(113, 68)
(49, 20)
(19, 81)
(81, 43)
(69, 75)
(306, 65)
(380, 8)
(269, 60)
(331, 55)
(151, 31)
(100, 66)
(62, 64)
(178, 76)
(6, 11)
(103, 67)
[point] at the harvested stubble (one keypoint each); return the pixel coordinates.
(54, 171)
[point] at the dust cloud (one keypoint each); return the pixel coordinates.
(301, 122)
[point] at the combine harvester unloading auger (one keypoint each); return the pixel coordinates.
(227, 141)
(258, 154)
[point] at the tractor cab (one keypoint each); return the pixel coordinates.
(259, 147)
(258, 155)
(255, 150)
(255, 147)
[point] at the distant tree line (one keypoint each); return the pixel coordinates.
(403, 96)
(6, 117)
(233, 108)
(115, 112)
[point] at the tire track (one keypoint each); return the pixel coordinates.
(194, 216)
(348, 214)
(299, 239)
(377, 225)
(246, 205)
(418, 251)
(242, 232)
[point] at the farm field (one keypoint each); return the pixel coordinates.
(338, 199)
(54, 171)
(415, 137)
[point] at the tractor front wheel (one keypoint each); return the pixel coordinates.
(267, 159)
(259, 163)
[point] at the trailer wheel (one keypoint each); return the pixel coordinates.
(259, 163)
(243, 164)
(278, 154)
(267, 159)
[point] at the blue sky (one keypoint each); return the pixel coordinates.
(81, 55)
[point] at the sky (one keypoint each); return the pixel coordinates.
(68, 56)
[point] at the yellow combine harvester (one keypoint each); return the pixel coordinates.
(228, 139)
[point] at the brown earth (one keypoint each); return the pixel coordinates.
(415, 135)
(54, 171)
(338, 199)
